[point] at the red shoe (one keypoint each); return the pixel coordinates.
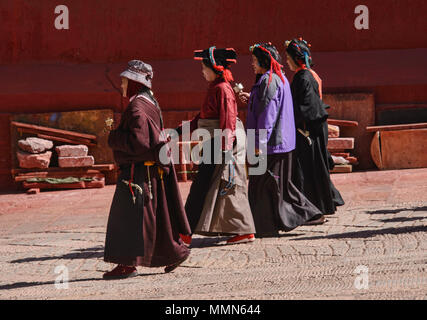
(120, 272)
(241, 239)
(186, 239)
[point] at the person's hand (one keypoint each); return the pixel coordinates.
(244, 97)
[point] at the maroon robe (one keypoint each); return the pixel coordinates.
(145, 231)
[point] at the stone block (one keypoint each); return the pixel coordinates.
(35, 145)
(30, 160)
(72, 150)
(73, 162)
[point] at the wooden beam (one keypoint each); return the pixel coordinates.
(396, 127)
(95, 167)
(343, 123)
(55, 132)
(69, 141)
(77, 174)
(342, 168)
(340, 143)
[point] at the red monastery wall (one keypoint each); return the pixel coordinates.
(43, 69)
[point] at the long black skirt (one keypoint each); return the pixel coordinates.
(311, 176)
(276, 203)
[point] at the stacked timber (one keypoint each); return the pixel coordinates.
(76, 169)
(341, 147)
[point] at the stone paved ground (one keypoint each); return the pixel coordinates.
(382, 227)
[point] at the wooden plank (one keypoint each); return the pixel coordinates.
(376, 150)
(342, 168)
(53, 131)
(25, 177)
(404, 149)
(396, 127)
(343, 123)
(352, 160)
(340, 143)
(33, 191)
(340, 154)
(333, 131)
(98, 167)
(65, 140)
(74, 140)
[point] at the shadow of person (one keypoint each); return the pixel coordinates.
(19, 285)
(87, 253)
(393, 211)
(367, 233)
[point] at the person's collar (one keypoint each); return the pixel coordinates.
(267, 74)
(216, 81)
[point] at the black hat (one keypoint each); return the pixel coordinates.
(218, 60)
(218, 57)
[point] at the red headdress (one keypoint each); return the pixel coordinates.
(219, 59)
(275, 66)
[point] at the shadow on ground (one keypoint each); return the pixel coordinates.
(403, 219)
(393, 211)
(19, 285)
(88, 253)
(367, 233)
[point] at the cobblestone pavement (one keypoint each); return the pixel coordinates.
(380, 232)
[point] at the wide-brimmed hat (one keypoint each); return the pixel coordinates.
(140, 72)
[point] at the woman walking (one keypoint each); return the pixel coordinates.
(147, 214)
(217, 203)
(275, 201)
(312, 158)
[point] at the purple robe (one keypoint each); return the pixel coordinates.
(271, 108)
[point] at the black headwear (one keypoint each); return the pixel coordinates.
(218, 60)
(268, 58)
(299, 50)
